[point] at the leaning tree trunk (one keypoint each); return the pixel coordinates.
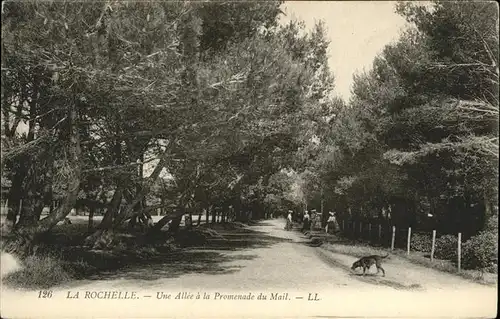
(176, 222)
(25, 237)
(15, 198)
(165, 219)
(128, 212)
(114, 205)
(107, 221)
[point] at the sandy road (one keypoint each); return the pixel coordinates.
(265, 260)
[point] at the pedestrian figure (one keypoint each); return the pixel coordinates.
(288, 225)
(188, 222)
(313, 219)
(306, 221)
(331, 223)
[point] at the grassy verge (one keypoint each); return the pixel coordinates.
(41, 272)
(448, 266)
(61, 257)
(359, 250)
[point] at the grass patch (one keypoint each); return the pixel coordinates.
(419, 258)
(356, 251)
(40, 272)
(359, 249)
(449, 267)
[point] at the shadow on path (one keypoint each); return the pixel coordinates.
(213, 257)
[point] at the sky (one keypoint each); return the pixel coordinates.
(358, 31)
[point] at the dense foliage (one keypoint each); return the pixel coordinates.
(235, 113)
(417, 144)
(215, 96)
(481, 252)
(446, 247)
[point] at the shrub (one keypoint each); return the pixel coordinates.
(481, 252)
(39, 272)
(446, 247)
(492, 223)
(421, 242)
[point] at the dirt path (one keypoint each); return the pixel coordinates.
(265, 259)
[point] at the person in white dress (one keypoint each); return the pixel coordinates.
(331, 223)
(289, 220)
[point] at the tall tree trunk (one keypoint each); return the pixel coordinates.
(35, 197)
(113, 207)
(25, 236)
(15, 198)
(73, 182)
(17, 192)
(162, 209)
(214, 216)
(91, 218)
(29, 211)
(237, 209)
(141, 178)
(29, 214)
(5, 115)
(322, 202)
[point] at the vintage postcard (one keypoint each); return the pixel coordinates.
(249, 159)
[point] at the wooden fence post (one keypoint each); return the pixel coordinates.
(408, 241)
(393, 237)
(459, 250)
(433, 247)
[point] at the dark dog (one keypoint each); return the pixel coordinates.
(367, 262)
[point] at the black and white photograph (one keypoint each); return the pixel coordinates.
(249, 159)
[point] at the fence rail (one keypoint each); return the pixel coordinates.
(392, 236)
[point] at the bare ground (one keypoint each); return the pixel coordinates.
(265, 258)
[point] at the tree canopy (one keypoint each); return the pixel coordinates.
(239, 111)
(215, 94)
(419, 136)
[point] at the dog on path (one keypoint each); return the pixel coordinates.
(368, 261)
